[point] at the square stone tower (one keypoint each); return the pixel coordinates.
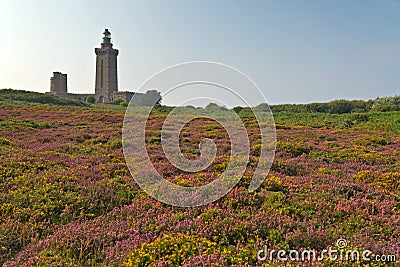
(58, 83)
(106, 70)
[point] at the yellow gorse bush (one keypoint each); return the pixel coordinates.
(386, 180)
(172, 248)
(177, 249)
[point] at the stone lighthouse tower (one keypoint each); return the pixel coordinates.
(106, 70)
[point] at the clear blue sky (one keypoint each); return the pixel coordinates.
(296, 51)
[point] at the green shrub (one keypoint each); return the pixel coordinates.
(340, 106)
(90, 99)
(334, 107)
(117, 101)
(391, 100)
(294, 149)
(359, 117)
(114, 143)
(385, 107)
(22, 125)
(6, 142)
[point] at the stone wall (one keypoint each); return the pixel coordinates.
(126, 96)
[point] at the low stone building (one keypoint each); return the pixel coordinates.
(58, 83)
(58, 86)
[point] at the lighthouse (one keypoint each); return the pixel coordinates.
(106, 70)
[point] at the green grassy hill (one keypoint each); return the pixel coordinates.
(15, 96)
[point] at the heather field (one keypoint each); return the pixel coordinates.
(67, 197)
